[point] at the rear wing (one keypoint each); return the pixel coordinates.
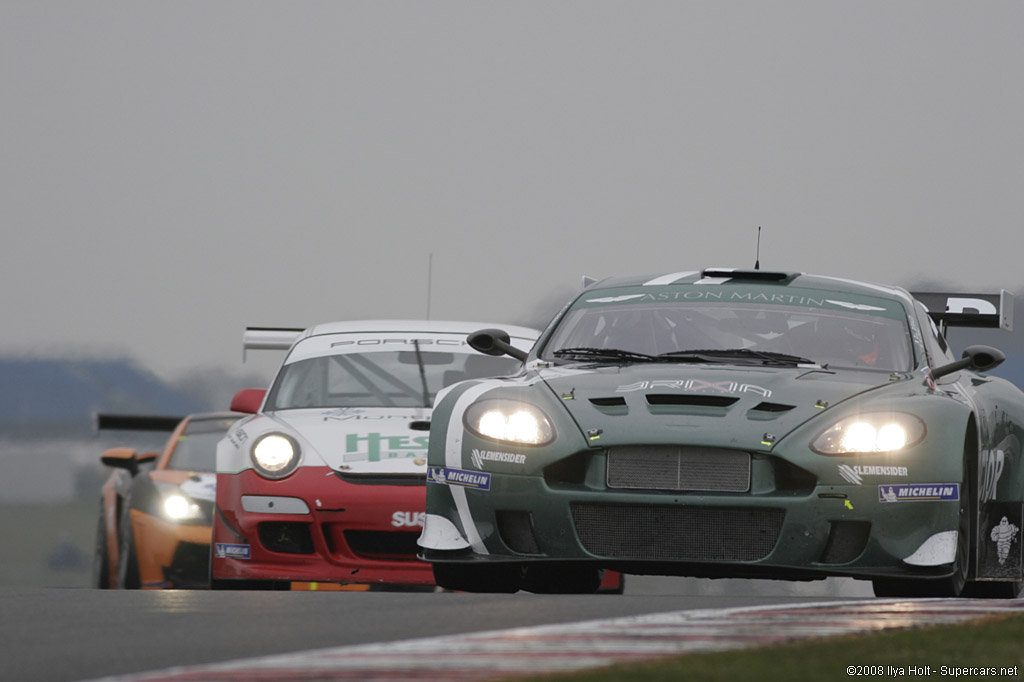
(269, 338)
(969, 310)
(135, 422)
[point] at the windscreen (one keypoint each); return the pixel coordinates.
(196, 449)
(840, 335)
(406, 378)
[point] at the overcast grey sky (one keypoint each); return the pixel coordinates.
(174, 171)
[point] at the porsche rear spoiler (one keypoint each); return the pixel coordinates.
(135, 422)
(269, 338)
(969, 310)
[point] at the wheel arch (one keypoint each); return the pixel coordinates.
(972, 448)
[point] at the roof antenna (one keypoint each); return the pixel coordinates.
(757, 258)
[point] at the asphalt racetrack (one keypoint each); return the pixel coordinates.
(64, 635)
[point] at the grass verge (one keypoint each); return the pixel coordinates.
(48, 545)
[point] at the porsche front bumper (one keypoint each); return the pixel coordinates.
(316, 526)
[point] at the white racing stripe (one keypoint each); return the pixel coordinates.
(453, 450)
(453, 459)
(668, 279)
(546, 649)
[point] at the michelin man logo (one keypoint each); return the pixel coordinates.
(1003, 535)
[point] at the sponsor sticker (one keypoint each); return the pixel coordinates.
(467, 479)
(1004, 534)
(376, 447)
(480, 456)
(855, 474)
(225, 550)
(919, 492)
(402, 519)
(695, 385)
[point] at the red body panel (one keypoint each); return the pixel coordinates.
(336, 507)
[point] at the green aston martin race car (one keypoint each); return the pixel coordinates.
(735, 423)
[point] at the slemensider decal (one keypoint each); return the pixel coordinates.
(855, 474)
(919, 493)
(480, 456)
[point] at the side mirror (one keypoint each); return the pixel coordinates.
(495, 342)
(127, 459)
(974, 358)
(248, 400)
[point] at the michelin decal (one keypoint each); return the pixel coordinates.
(460, 477)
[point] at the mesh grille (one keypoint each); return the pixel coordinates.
(662, 533)
(674, 468)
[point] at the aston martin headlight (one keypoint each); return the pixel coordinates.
(870, 432)
(510, 421)
(275, 455)
(178, 507)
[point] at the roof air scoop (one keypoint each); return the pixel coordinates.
(747, 275)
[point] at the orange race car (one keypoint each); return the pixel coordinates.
(156, 507)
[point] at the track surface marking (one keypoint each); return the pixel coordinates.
(555, 648)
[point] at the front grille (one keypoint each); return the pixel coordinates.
(677, 468)
(516, 530)
(664, 533)
(374, 544)
(846, 541)
(286, 536)
(383, 479)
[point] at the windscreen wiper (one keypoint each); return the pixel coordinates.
(423, 373)
(722, 355)
(613, 354)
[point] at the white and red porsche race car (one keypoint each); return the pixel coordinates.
(324, 484)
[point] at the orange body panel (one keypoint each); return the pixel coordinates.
(156, 541)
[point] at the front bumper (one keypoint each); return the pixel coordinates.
(170, 555)
(825, 530)
(319, 526)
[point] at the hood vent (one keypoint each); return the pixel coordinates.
(690, 399)
(612, 405)
(772, 407)
(764, 411)
(691, 404)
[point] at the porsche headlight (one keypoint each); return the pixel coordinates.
(870, 432)
(510, 421)
(178, 507)
(275, 455)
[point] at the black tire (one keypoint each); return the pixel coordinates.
(249, 585)
(989, 589)
(127, 560)
(101, 557)
(501, 578)
(562, 579)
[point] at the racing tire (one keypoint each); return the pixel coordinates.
(127, 561)
(249, 585)
(562, 579)
(993, 590)
(101, 557)
(500, 578)
(952, 585)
